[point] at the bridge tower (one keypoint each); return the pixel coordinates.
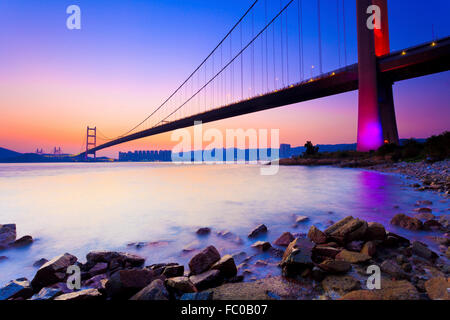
(376, 114)
(91, 133)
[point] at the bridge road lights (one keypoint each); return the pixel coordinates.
(376, 115)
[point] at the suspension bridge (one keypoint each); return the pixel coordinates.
(261, 64)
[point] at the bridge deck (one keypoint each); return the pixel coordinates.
(401, 65)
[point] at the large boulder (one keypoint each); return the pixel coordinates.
(53, 271)
(206, 280)
(125, 283)
(7, 235)
(317, 236)
(19, 288)
(438, 288)
(403, 221)
(115, 259)
(173, 271)
(335, 266)
(320, 253)
(83, 295)
(390, 290)
(204, 260)
(226, 266)
(22, 242)
(298, 257)
(421, 250)
(347, 230)
(154, 291)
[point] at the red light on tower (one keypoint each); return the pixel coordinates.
(382, 44)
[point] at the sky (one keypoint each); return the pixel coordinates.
(129, 55)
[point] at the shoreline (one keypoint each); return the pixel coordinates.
(317, 275)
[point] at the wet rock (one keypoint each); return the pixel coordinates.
(154, 291)
(425, 216)
(99, 268)
(258, 231)
(447, 253)
(181, 284)
(424, 203)
(445, 220)
(226, 266)
(204, 260)
(390, 290)
(369, 248)
(125, 283)
(39, 263)
(375, 231)
(284, 239)
(438, 288)
(15, 289)
(22, 242)
(206, 280)
(317, 236)
(432, 225)
(403, 221)
(318, 274)
(423, 210)
(301, 219)
(199, 296)
(53, 271)
(352, 257)
(115, 259)
(262, 245)
(347, 230)
(421, 250)
(7, 235)
(335, 266)
(3, 258)
(393, 240)
(239, 257)
(203, 231)
(393, 269)
(97, 282)
(340, 284)
(46, 294)
(83, 295)
(297, 257)
(354, 246)
(194, 245)
(325, 252)
(173, 271)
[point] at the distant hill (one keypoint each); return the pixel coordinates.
(5, 153)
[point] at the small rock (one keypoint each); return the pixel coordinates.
(347, 230)
(199, 296)
(421, 250)
(423, 210)
(335, 266)
(297, 257)
(317, 236)
(19, 288)
(424, 203)
(83, 295)
(204, 260)
(7, 235)
(425, 216)
(325, 252)
(375, 231)
(115, 259)
(97, 282)
(226, 266)
(369, 248)
(284, 239)
(393, 269)
(203, 231)
(432, 225)
(173, 271)
(23, 242)
(126, 283)
(354, 246)
(154, 291)
(352, 257)
(438, 288)
(206, 280)
(259, 230)
(181, 284)
(340, 284)
(262, 245)
(301, 219)
(403, 221)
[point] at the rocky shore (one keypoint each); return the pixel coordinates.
(322, 264)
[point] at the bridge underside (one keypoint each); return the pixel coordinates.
(411, 63)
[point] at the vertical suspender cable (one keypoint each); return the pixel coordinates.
(267, 51)
(300, 40)
(320, 37)
(345, 32)
(338, 31)
(242, 69)
(282, 51)
(287, 49)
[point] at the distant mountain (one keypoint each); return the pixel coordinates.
(5, 153)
